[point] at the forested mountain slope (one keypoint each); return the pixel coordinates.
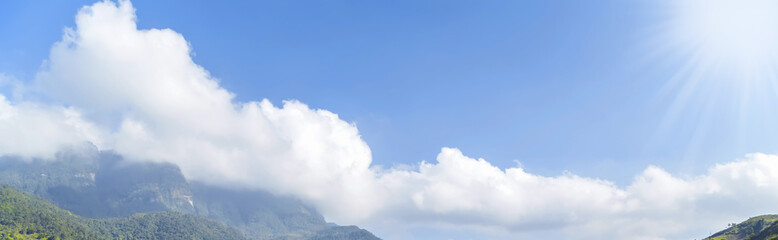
(99, 184)
(755, 228)
(28, 217)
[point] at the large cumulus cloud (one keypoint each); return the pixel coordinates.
(138, 92)
(158, 105)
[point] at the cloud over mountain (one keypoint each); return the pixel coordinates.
(156, 104)
(138, 92)
(33, 130)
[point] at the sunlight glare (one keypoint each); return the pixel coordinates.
(727, 58)
(741, 35)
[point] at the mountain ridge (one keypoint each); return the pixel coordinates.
(101, 184)
(23, 216)
(763, 227)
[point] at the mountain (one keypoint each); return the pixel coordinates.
(343, 233)
(99, 184)
(257, 213)
(768, 233)
(755, 228)
(27, 217)
(163, 225)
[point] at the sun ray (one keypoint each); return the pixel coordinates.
(729, 54)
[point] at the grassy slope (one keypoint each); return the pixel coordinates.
(747, 229)
(770, 233)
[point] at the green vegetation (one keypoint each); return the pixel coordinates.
(769, 233)
(754, 228)
(164, 225)
(26, 217)
(98, 184)
(344, 233)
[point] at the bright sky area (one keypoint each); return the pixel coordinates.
(600, 90)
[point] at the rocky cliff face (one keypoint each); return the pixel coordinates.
(99, 184)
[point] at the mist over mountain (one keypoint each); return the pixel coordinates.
(100, 184)
(25, 217)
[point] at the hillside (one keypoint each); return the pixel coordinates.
(755, 228)
(769, 233)
(98, 184)
(163, 225)
(258, 214)
(27, 217)
(344, 233)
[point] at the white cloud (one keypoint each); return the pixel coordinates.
(11, 86)
(458, 190)
(32, 131)
(460, 186)
(158, 105)
(139, 92)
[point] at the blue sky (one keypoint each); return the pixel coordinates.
(600, 90)
(555, 85)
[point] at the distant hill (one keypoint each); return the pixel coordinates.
(259, 215)
(27, 217)
(769, 233)
(102, 185)
(343, 233)
(755, 228)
